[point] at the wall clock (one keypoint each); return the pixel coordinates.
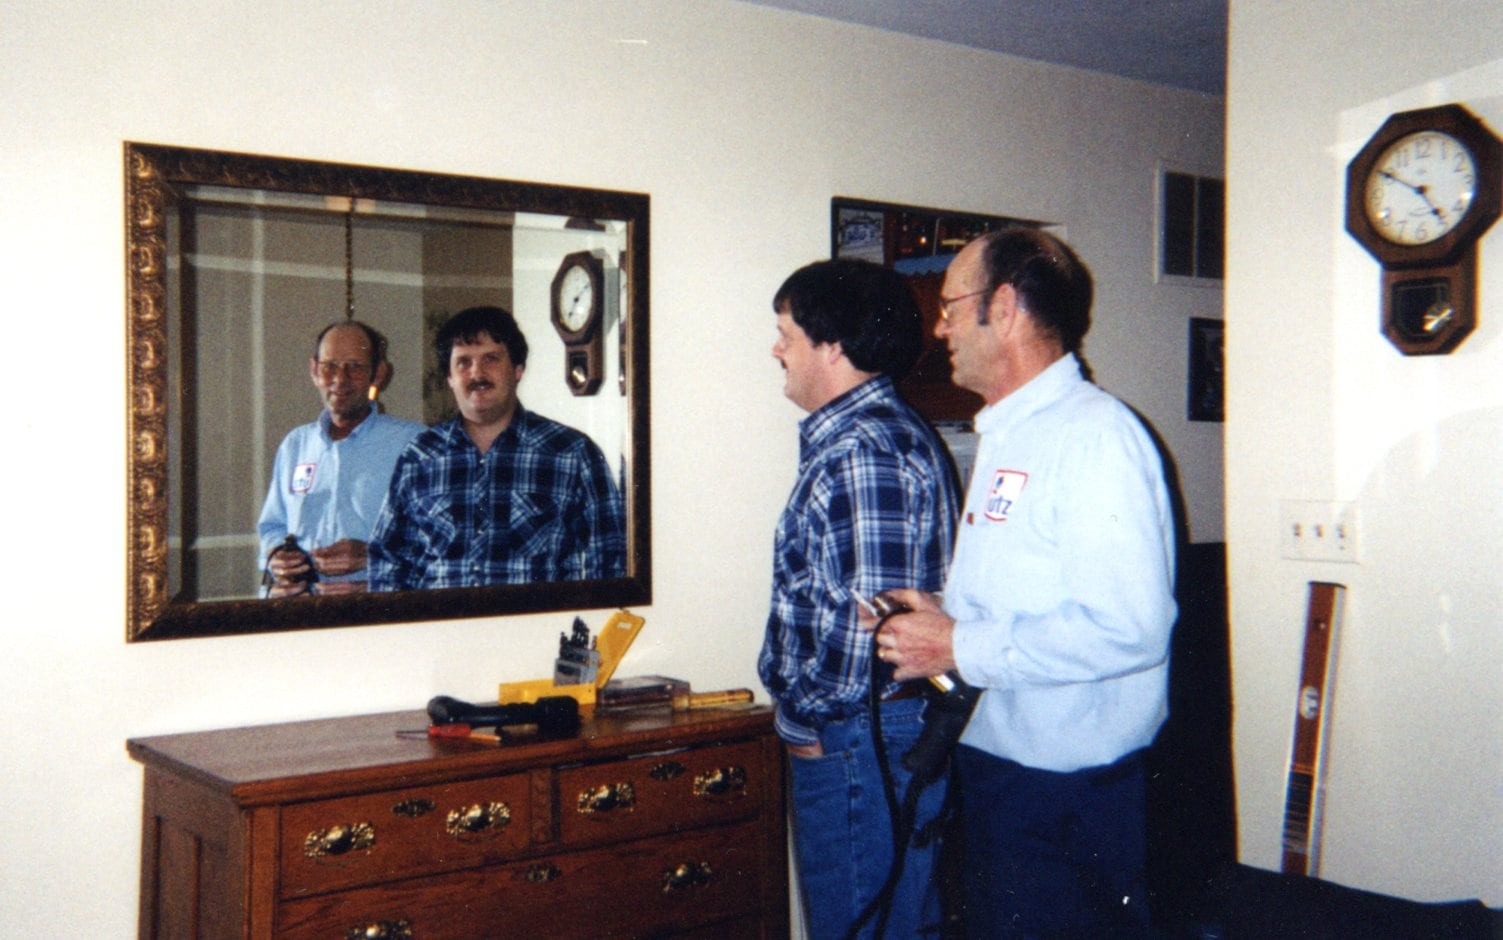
(578, 301)
(1419, 196)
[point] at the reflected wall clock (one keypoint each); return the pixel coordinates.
(578, 311)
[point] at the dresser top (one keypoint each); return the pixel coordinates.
(276, 763)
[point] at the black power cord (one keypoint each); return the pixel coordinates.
(945, 717)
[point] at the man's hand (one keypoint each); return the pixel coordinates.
(807, 750)
(919, 643)
(339, 587)
(287, 588)
(341, 558)
(289, 572)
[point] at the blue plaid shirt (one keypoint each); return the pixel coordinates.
(540, 505)
(874, 508)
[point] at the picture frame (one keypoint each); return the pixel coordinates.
(919, 243)
(1206, 384)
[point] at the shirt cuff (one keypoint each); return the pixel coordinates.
(793, 733)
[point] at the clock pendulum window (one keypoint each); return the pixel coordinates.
(1419, 196)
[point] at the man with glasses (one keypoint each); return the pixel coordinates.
(1058, 605)
(330, 476)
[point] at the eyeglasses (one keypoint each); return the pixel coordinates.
(329, 370)
(944, 305)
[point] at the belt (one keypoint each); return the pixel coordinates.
(905, 691)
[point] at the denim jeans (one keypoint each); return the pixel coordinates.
(842, 830)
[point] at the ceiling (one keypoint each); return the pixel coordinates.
(1181, 43)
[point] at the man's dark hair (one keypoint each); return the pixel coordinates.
(467, 325)
(865, 307)
(1052, 283)
(373, 338)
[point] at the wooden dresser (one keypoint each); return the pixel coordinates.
(648, 823)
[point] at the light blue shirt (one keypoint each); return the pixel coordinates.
(1062, 585)
(323, 490)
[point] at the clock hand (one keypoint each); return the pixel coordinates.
(1422, 191)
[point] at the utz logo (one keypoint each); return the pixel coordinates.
(302, 477)
(1007, 486)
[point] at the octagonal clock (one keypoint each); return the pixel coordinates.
(1419, 196)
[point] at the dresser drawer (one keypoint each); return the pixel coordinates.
(666, 885)
(661, 793)
(355, 840)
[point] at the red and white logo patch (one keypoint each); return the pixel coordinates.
(302, 477)
(1007, 486)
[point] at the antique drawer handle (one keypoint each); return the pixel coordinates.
(720, 782)
(414, 808)
(381, 930)
(542, 873)
(337, 840)
(686, 875)
(607, 797)
(477, 817)
(667, 770)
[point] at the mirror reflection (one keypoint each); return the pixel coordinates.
(290, 312)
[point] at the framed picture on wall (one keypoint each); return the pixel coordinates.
(919, 243)
(1206, 384)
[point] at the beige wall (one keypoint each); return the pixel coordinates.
(1321, 407)
(740, 122)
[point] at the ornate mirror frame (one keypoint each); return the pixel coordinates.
(155, 177)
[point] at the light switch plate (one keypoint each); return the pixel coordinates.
(1318, 530)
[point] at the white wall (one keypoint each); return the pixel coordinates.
(740, 122)
(1321, 406)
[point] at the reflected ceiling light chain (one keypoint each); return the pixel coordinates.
(349, 261)
(373, 391)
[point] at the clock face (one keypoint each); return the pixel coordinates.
(1420, 188)
(576, 298)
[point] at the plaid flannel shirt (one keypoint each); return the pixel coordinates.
(539, 505)
(874, 508)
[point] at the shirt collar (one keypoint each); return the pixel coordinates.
(1039, 391)
(828, 418)
(520, 427)
(326, 424)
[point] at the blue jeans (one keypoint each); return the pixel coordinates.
(842, 830)
(1053, 855)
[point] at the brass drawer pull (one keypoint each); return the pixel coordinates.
(414, 808)
(667, 770)
(381, 930)
(720, 782)
(337, 840)
(607, 797)
(477, 818)
(685, 876)
(542, 873)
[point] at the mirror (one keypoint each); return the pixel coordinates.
(235, 262)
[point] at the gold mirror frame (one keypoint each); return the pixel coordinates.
(154, 178)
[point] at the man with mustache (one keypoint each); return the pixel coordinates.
(499, 494)
(330, 476)
(873, 508)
